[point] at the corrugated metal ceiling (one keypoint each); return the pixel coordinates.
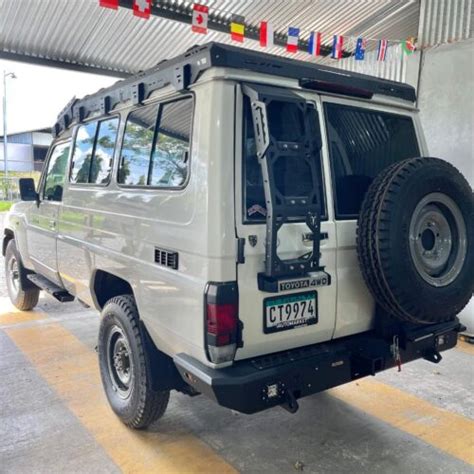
(79, 33)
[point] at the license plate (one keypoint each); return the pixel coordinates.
(290, 311)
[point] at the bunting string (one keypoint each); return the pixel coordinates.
(340, 45)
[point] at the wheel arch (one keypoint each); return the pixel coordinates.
(7, 236)
(105, 285)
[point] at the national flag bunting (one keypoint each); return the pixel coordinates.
(337, 44)
(382, 50)
(109, 4)
(237, 28)
(142, 8)
(409, 45)
(266, 34)
(360, 49)
(314, 44)
(200, 16)
(292, 41)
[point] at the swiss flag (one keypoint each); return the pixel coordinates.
(142, 8)
(109, 4)
(200, 16)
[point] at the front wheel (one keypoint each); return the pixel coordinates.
(23, 297)
(125, 365)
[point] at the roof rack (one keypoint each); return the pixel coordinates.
(184, 70)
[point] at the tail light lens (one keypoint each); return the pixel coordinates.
(222, 321)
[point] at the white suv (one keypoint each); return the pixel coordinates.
(209, 208)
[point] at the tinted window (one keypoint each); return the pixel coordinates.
(56, 172)
(157, 155)
(171, 152)
(93, 152)
(292, 176)
(83, 148)
(361, 144)
(104, 151)
(137, 145)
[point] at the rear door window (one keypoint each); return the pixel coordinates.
(362, 143)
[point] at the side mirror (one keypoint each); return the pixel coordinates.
(27, 189)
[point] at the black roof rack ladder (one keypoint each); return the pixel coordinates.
(280, 208)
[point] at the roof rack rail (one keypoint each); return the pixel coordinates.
(184, 70)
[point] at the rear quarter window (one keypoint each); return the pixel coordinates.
(362, 143)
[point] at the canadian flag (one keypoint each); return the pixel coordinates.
(142, 8)
(200, 16)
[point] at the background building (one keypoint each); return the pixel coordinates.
(26, 150)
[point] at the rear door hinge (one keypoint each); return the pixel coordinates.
(240, 250)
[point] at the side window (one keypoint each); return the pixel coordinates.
(362, 143)
(56, 172)
(93, 152)
(82, 154)
(170, 156)
(156, 143)
(292, 176)
(137, 145)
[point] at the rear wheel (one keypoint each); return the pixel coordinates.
(415, 235)
(23, 295)
(125, 365)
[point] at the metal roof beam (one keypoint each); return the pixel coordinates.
(57, 63)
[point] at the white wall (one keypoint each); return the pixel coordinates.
(446, 102)
(20, 157)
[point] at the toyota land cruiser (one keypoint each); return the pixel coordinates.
(252, 228)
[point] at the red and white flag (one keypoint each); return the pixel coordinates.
(109, 4)
(382, 50)
(266, 34)
(142, 8)
(200, 16)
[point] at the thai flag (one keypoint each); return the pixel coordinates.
(314, 44)
(266, 34)
(360, 49)
(292, 42)
(382, 50)
(337, 43)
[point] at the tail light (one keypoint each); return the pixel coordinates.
(222, 321)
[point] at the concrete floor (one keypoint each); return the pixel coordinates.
(54, 416)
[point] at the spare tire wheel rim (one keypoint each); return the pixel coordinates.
(438, 243)
(119, 362)
(13, 276)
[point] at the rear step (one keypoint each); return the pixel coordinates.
(51, 288)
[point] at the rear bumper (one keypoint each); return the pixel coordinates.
(253, 385)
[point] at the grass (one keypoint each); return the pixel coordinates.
(5, 206)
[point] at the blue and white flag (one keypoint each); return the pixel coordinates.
(360, 49)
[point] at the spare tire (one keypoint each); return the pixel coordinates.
(415, 240)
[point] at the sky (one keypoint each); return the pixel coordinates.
(39, 93)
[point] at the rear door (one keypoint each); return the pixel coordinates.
(294, 310)
(362, 140)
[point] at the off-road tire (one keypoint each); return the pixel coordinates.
(143, 405)
(383, 241)
(25, 297)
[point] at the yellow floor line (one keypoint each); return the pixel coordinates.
(11, 315)
(72, 370)
(465, 347)
(445, 430)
